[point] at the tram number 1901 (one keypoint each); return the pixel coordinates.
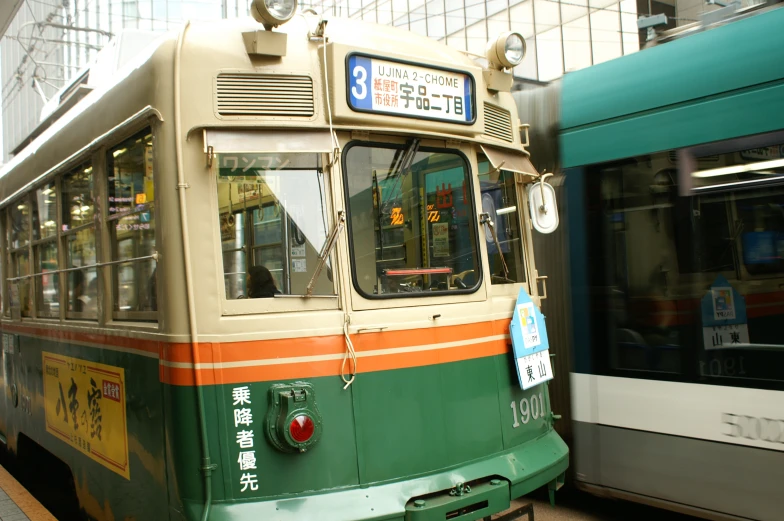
(529, 409)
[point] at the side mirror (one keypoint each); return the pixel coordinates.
(543, 207)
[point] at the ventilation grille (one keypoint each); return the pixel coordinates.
(264, 95)
(498, 123)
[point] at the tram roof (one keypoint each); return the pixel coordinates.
(734, 56)
(715, 85)
(206, 37)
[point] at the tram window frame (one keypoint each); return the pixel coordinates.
(69, 231)
(17, 309)
(284, 301)
(112, 220)
(41, 242)
(471, 211)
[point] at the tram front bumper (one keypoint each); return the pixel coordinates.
(519, 470)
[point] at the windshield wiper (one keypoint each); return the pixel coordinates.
(484, 218)
(408, 157)
(402, 168)
(332, 239)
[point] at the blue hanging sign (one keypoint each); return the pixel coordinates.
(724, 322)
(529, 343)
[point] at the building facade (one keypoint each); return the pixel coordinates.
(48, 41)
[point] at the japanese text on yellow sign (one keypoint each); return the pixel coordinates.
(85, 407)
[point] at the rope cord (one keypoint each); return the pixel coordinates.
(350, 353)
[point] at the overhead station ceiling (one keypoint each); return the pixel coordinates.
(8, 9)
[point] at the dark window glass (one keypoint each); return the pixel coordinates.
(19, 224)
(19, 215)
(273, 223)
(78, 202)
(131, 209)
(78, 229)
(653, 256)
(411, 220)
(499, 201)
(47, 280)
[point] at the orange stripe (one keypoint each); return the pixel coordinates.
(256, 349)
(386, 362)
(332, 344)
(265, 350)
(149, 346)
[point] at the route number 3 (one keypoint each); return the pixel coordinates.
(528, 409)
(360, 89)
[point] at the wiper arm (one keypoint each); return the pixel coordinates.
(408, 156)
(406, 160)
(332, 239)
(484, 218)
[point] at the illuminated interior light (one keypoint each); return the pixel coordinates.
(724, 186)
(47, 191)
(739, 169)
(85, 208)
(119, 152)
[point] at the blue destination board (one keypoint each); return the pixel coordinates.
(401, 89)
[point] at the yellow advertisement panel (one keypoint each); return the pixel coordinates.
(85, 407)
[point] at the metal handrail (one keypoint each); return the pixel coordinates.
(155, 256)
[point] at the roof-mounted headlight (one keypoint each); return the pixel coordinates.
(273, 13)
(507, 51)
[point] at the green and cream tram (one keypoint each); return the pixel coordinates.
(268, 273)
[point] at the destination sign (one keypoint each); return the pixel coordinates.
(400, 89)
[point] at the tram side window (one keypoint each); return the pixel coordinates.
(411, 221)
(273, 223)
(19, 254)
(654, 256)
(46, 280)
(499, 201)
(78, 230)
(131, 219)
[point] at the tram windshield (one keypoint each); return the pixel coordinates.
(273, 222)
(412, 228)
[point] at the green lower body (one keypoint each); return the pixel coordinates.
(494, 482)
(391, 441)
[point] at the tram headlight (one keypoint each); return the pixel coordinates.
(294, 423)
(507, 51)
(273, 13)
